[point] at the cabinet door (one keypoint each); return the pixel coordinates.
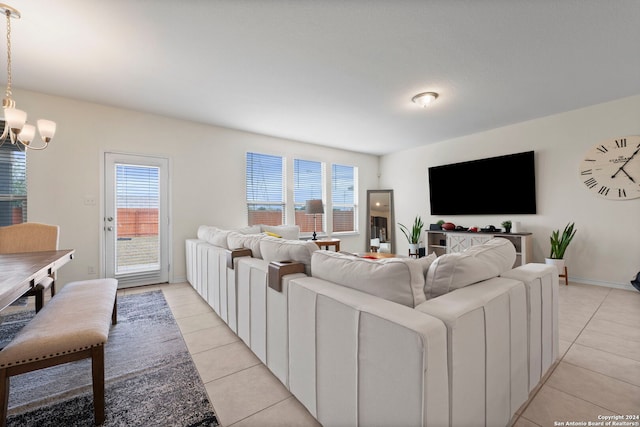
(479, 239)
(457, 242)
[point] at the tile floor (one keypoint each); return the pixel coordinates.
(598, 373)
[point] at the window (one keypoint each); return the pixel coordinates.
(137, 196)
(278, 189)
(13, 184)
(343, 198)
(265, 189)
(308, 179)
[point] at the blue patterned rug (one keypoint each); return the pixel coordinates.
(150, 378)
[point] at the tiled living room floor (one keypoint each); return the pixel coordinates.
(598, 373)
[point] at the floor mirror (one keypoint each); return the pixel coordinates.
(381, 230)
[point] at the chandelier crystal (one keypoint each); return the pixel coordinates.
(16, 128)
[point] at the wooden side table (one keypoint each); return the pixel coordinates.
(327, 243)
(565, 276)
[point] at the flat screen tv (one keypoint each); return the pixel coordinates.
(496, 185)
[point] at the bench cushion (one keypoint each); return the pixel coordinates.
(77, 318)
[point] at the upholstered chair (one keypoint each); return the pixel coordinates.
(31, 237)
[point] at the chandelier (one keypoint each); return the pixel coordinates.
(16, 128)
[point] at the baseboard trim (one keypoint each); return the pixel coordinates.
(624, 286)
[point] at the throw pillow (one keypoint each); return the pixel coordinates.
(237, 240)
(395, 279)
(457, 270)
(289, 232)
(425, 262)
(275, 249)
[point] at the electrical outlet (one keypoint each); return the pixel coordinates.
(89, 200)
(91, 270)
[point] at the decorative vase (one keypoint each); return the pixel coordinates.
(413, 248)
(559, 263)
(507, 229)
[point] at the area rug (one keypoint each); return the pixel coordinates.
(150, 378)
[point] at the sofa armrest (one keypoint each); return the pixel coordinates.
(279, 269)
(350, 353)
(487, 349)
(232, 254)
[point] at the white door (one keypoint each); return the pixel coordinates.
(136, 219)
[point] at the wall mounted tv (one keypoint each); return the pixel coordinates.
(496, 185)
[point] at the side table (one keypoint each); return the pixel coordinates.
(328, 242)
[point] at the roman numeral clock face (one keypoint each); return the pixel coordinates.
(611, 169)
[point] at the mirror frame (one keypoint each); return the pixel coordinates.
(392, 220)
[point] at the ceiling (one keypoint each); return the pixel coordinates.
(331, 72)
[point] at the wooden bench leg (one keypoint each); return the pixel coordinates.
(4, 396)
(97, 371)
(114, 313)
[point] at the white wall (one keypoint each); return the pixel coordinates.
(207, 173)
(606, 249)
(207, 166)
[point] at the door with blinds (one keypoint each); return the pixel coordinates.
(136, 220)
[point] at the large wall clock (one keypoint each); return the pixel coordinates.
(611, 169)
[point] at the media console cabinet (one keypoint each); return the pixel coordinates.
(442, 242)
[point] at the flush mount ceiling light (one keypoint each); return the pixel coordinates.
(425, 98)
(16, 128)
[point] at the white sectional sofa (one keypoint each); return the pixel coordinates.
(229, 270)
(459, 340)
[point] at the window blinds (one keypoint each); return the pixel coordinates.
(265, 189)
(308, 178)
(343, 183)
(13, 184)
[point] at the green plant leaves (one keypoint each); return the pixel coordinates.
(413, 235)
(559, 243)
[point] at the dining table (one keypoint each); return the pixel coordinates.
(20, 272)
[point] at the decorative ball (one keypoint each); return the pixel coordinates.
(448, 226)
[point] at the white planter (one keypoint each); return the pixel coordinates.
(559, 263)
(413, 248)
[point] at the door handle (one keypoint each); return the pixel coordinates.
(109, 228)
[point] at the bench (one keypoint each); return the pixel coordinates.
(72, 326)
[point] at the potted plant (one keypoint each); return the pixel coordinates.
(507, 226)
(413, 235)
(559, 244)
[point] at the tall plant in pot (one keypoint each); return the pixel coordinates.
(413, 234)
(559, 244)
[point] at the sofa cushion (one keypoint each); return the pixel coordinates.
(204, 231)
(218, 237)
(289, 232)
(425, 262)
(395, 279)
(236, 240)
(275, 249)
(250, 229)
(477, 263)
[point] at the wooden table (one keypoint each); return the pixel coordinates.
(20, 272)
(328, 242)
